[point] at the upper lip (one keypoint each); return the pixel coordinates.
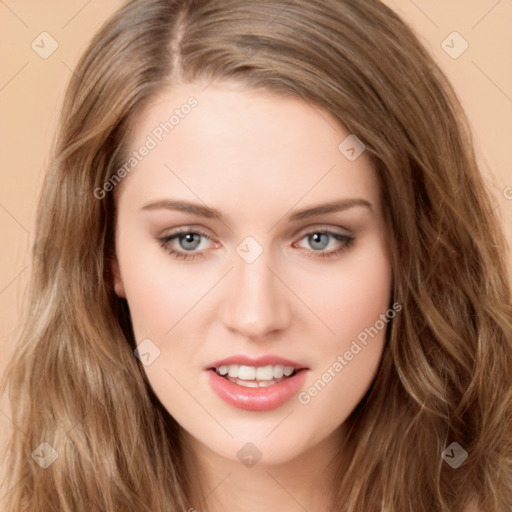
(256, 361)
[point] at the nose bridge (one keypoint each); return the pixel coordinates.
(256, 304)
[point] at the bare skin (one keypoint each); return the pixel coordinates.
(257, 159)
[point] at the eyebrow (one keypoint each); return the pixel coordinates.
(212, 213)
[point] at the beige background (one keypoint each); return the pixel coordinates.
(31, 90)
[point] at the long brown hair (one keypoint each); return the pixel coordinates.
(446, 371)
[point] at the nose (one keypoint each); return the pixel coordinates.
(256, 303)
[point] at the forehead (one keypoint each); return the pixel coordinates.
(237, 148)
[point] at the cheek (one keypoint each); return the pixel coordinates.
(358, 309)
(159, 291)
(353, 295)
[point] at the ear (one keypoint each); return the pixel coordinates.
(116, 278)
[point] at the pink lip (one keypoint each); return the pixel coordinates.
(256, 361)
(257, 399)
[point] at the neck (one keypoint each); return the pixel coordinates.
(303, 483)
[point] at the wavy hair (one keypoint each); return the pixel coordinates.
(446, 371)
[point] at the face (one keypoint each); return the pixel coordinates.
(252, 252)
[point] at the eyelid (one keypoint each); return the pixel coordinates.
(339, 237)
(299, 233)
(345, 239)
(201, 233)
(323, 227)
(186, 228)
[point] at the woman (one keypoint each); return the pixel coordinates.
(267, 275)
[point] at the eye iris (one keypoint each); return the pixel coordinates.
(319, 238)
(189, 242)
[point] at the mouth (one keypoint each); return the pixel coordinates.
(256, 384)
(256, 376)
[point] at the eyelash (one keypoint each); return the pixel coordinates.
(345, 240)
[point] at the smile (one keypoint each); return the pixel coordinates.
(253, 377)
(265, 384)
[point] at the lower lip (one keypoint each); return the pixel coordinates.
(257, 399)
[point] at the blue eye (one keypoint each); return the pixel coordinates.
(184, 244)
(188, 241)
(319, 240)
(322, 239)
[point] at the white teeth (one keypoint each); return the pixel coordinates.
(278, 371)
(263, 374)
(288, 370)
(255, 383)
(246, 373)
(248, 383)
